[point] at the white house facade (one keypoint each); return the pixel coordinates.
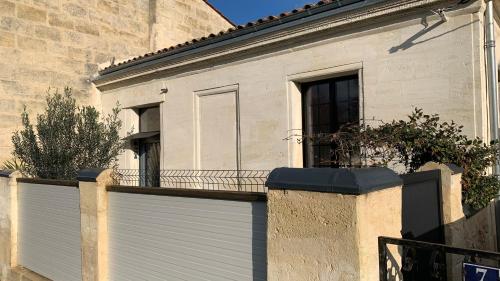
(236, 100)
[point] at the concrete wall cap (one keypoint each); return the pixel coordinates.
(6, 173)
(89, 175)
(352, 181)
(455, 169)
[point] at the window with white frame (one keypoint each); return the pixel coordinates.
(327, 105)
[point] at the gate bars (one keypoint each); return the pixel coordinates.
(469, 254)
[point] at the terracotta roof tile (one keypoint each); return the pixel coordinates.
(224, 32)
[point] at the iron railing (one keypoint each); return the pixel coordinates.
(412, 260)
(228, 180)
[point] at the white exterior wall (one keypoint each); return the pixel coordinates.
(401, 63)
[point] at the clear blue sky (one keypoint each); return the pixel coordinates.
(243, 11)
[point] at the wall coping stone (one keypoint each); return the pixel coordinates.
(55, 182)
(89, 175)
(455, 169)
(6, 173)
(191, 193)
(351, 181)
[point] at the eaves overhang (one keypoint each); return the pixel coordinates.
(146, 64)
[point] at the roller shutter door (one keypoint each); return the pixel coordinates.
(178, 238)
(49, 231)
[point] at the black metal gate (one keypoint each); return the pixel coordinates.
(422, 221)
(472, 264)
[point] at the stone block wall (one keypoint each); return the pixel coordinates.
(477, 231)
(324, 224)
(318, 243)
(58, 43)
(180, 20)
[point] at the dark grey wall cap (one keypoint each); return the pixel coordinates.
(353, 181)
(89, 175)
(6, 173)
(455, 169)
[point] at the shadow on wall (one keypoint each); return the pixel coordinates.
(477, 232)
(412, 41)
(432, 212)
(395, 271)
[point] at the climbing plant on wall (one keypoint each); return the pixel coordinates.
(415, 141)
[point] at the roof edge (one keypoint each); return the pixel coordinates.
(141, 65)
(237, 34)
(219, 12)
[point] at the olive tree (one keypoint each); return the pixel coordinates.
(66, 138)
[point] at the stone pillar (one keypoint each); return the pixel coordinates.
(451, 198)
(94, 229)
(8, 222)
(324, 224)
(453, 216)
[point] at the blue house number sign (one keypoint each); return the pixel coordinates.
(474, 272)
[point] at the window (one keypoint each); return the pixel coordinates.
(146, 144)
(149, 146)
(327, 105)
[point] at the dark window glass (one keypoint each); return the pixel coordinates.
(149, 164)
(149, 119)
(327, 106)
(149, 149)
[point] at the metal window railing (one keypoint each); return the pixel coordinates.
(223, 180)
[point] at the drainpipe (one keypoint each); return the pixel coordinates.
(492, 72)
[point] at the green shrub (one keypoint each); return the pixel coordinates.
(13, 164)
(67, 138)
(420, 139)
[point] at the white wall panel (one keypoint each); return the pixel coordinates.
(217, 134)
(178, 238)
(49, 230)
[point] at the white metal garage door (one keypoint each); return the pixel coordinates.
(49, 230)
(178, 238)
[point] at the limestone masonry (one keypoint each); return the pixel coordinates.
(47, 43)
